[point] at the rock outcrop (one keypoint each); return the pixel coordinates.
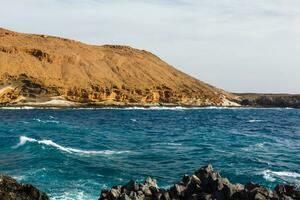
(39, 68)
(270, 100)
(10, 189)
(204, 184)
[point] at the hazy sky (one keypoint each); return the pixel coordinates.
(238, 45)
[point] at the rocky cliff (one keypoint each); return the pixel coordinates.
(41, 68)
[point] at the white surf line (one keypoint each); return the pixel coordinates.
(24, 140)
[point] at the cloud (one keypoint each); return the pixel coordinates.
(243, 46)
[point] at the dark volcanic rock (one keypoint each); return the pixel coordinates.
(270, 100)
(10, 189)
(205, 184)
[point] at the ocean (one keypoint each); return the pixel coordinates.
(74, 153)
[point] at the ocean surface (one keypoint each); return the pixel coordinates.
(74, 153)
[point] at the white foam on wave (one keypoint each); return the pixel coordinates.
(257, 146)
(254, 120)
(18, 108)
(168, 144)
(19, 178)
(52, 107)
(72, 195)
(24, 140)
(176, 108)
(173, 144)
(291, 177)
(153, 108)
(46, 121)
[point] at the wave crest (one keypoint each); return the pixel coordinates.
(46, 121)
(271, 176)
(24, 140)
(254, 120)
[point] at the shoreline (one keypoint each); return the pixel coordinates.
(137, 107)
(262, 102)
(205, 183)
(23, 107)
(76, 105)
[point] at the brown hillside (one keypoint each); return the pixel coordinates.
(37, 68)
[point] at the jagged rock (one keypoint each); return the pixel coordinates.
(132, 186)
(165, 195)
(146, 190)
(150, 182)
(205, 184)
(114, 193)
(125, 197)
(178, 190)
(287, 192)
(270, 100)
(10, 189)
(196, 179)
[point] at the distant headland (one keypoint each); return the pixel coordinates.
(48, 71)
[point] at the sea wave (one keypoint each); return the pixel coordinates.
(46, 121)
(24, 140)
(257, 146)
(156, 108)
(291, 177)
(39, 107)
(254, 120)
(19, 178)
(174, 108)
(73, 195)
(18, 108)
(150, 108)
(178, 108)
(168, 143)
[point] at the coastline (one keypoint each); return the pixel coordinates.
(244, 101)
(137, 107)
(132, 106)
(204, 183)
(43, 129)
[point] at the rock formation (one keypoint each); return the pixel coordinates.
(10, 189)
(270, 100)
(204, 184)
(39, 68)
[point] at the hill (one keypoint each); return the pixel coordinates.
(46, 70)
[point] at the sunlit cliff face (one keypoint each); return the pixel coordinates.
(236, 45)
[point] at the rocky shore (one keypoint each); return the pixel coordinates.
(204, 184)
(270, 100)
(10, 189)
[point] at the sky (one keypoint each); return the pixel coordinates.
(237, 45)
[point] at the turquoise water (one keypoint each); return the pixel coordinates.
(74, 153)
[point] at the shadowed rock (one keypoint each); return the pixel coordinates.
(10, 189)
(205, 184)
